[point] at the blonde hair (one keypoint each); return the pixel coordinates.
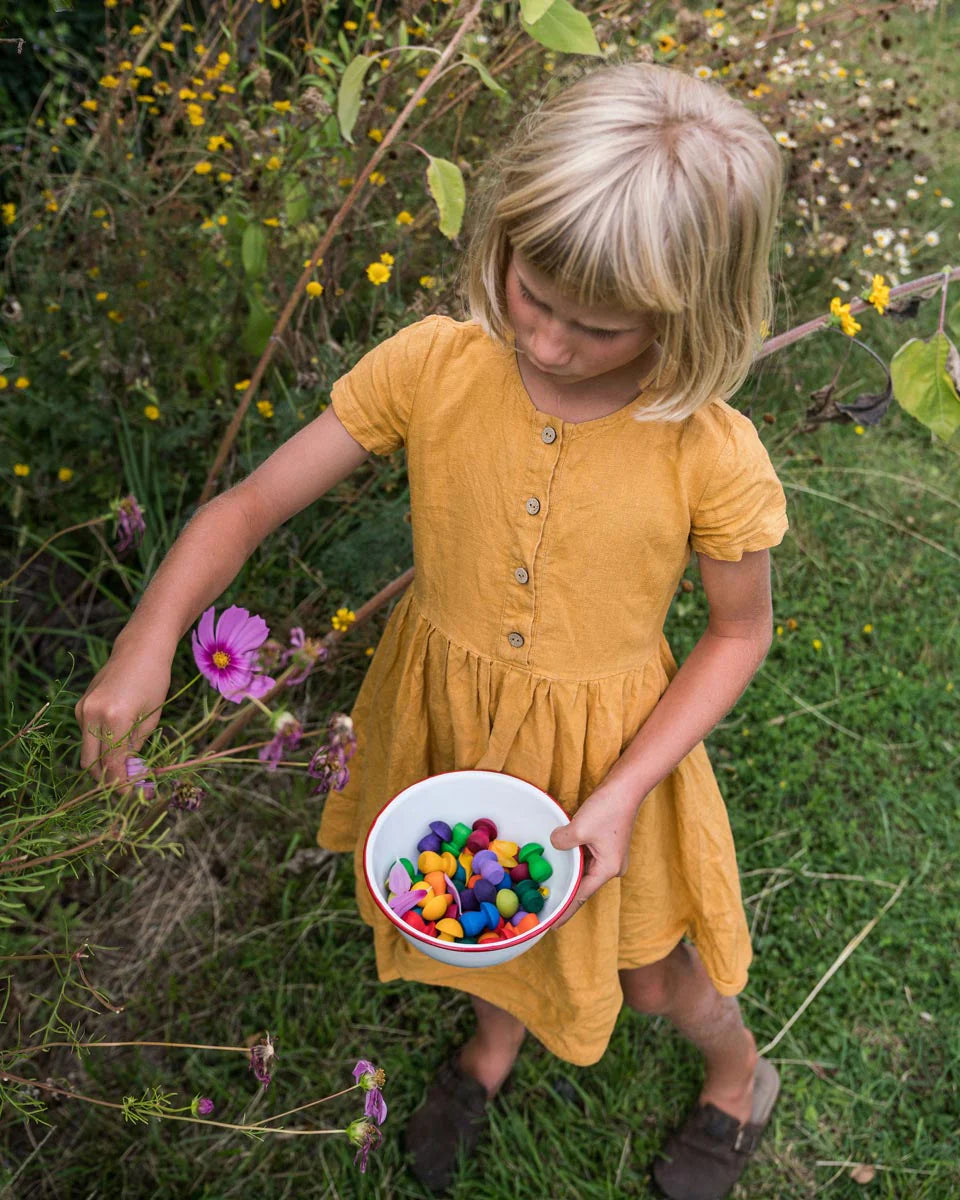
(641, 188)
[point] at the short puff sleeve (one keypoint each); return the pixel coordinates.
(375, 400)
(742, 506)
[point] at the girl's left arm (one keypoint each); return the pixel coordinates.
(704, 689)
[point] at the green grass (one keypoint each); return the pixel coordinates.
(838, 769)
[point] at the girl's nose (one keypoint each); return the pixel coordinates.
(549, 345)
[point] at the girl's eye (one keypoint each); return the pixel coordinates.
(526, 295)
(604, 333)
(597, 333)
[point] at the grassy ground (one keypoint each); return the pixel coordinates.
(838, 767)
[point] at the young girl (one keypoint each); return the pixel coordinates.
(566, 447)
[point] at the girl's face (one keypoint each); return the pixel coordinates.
(569, 343)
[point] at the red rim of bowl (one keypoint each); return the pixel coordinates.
(487, 947)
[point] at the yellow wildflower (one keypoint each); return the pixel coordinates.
(868, 628)
(143, 72)
(375, 135)
(343, 618)
(242, 385)
(350, 26)
(21, 469)
(847, 322)
(404, 218)
(273, 163)
(65, 474)
(228, 89)
(377, 178)
(125, 65)
(109, 81)
(273, 222)
(222, 219)
(428, 281)
(314, 288)
(217, 141)
(282, 106)
(185, 27)
(859, 429)
(89, 105)
(136, 30)
(114, 315)
(378, 273)
(223, 59)
(879, 294)
(199, 48)
(817, 644)
(3, 382)
(387, 258)
(21, 382)
(69, 121)
(151, 412)
(224, 176)
(203, 168)
(101, 296)
(186, 93)
(168, 46)
(9, 213)
(666, 43)
(265, 409)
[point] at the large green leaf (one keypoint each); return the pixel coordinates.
(253, 251)
(563, 28)
(925, 378)
(348, 97)
(488, 79)
(6, 358)
(296, 200)
(259, 326)
(533, 10)
(445, 184)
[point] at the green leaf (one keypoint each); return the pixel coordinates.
(296, 200)
(533, 10)
(6, 358)
(953, 318)
(485, 75)
(348, 97)
(445, 184)
(259, 326)
(253, 250)
(925, 379)
(563, 28)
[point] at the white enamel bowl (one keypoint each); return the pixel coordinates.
(521, 812)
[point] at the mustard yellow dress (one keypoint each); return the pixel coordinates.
(546, 556)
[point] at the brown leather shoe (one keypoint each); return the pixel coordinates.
(449, 1123)
(705, 1157)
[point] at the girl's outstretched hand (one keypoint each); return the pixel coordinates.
(133, 684)
(602, 825)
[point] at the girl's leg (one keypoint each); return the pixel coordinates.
(490, 1054)
(679, 988)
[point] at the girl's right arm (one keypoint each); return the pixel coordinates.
(201, 564)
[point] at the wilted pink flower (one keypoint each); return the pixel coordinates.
(130, 523)
(138, 777)
(304, 652)
(329, 764)
(366, 1136)
(187, 796)
(287, 735)
(261, 1058)
(227, 657)
(371, 1079)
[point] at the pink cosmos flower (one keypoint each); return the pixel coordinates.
(130, 523)
(365, 1135)
(137, 774)
(371, 1080)
(227, 656)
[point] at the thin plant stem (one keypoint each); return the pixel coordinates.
(53, 537)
